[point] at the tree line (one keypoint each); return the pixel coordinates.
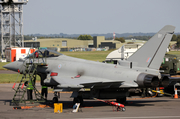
(121, 39)
(177, 39)
(89, 37)
(85, 37)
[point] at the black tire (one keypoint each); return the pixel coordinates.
(172, 71)
(55, 100)
(78, 99)
(123, 109)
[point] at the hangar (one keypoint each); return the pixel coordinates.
(64, 44)
(100, 42)
(59, 43)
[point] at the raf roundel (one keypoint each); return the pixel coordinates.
(59, 66)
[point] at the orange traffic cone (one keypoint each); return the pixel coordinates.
(175, 95)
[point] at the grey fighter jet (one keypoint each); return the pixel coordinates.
(90, 79)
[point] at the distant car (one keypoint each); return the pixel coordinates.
(99, 49)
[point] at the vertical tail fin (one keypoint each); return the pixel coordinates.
(151, 53)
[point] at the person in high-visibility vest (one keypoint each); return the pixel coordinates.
(30, 90)
(44, 91)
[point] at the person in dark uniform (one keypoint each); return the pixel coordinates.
(44, 91)
(29, 90)
(46, 53)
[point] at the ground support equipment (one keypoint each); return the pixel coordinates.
(116, 106)
(28, 76)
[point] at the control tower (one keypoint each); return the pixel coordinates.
(11, 24)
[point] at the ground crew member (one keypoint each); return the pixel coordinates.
(44, 91)
(46, 53)
(30, 90)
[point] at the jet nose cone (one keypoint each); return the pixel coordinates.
(12, 66)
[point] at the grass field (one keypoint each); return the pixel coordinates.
(174, 52)
(94, 56)
(12, 78)
(2, 64)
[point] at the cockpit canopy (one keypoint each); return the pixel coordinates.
(44, 53)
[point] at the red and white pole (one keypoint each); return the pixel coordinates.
(114, 35)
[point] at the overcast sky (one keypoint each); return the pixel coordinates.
(99, 16)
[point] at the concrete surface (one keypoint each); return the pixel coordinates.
(151, 108)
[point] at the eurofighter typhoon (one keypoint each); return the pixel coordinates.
(90, 79)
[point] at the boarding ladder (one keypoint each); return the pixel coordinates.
(29, 75)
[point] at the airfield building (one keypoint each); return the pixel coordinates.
(58, 43)
(64, 44)
(100, 42)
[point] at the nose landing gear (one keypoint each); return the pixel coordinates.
(55, 98)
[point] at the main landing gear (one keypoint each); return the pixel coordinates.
(55, 98)
(78, 99)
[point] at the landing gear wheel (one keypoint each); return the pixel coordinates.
(123, 109)
(172, 71)
(117, 108)
(55, 100)
(78, 99)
